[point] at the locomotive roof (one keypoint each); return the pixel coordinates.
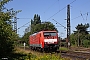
(33, 34)
(41, 31)
(48, 31)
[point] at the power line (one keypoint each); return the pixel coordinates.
(79, 16)
(24, 25)
(23, 18)
(50, 6)
(59, 23)
(72, 2)
(52, 15)
(60, 10)
(87, 16)
(82, 15)
(49, 17)
(56, 13)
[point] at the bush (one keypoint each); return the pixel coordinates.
(86, 43)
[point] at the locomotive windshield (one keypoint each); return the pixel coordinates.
(49, 34)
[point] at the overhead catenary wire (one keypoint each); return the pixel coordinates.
(82, 15)
(79, 16)
(60, 10)
(50, 6)
(24, 25)
(72, 1)
(49, 17)
(59, 24)
(56, 13)
(23, 18)
(87, 16)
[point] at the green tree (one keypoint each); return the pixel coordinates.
(36, 20)
(6, 32)
(82, 28)
(73, 38)
(43, 26)
(6, 46)
(25, 38)
(80, 34)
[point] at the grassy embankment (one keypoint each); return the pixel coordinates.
(30, 55)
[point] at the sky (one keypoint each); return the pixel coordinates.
(49, 10)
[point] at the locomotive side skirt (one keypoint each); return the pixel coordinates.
(36, 45)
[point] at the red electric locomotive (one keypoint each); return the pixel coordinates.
(44, 40)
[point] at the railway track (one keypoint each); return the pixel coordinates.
(73, 55)
(77, 55)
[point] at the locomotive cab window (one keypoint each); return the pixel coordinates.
(49, 34)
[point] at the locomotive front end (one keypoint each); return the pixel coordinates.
(51, 40)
